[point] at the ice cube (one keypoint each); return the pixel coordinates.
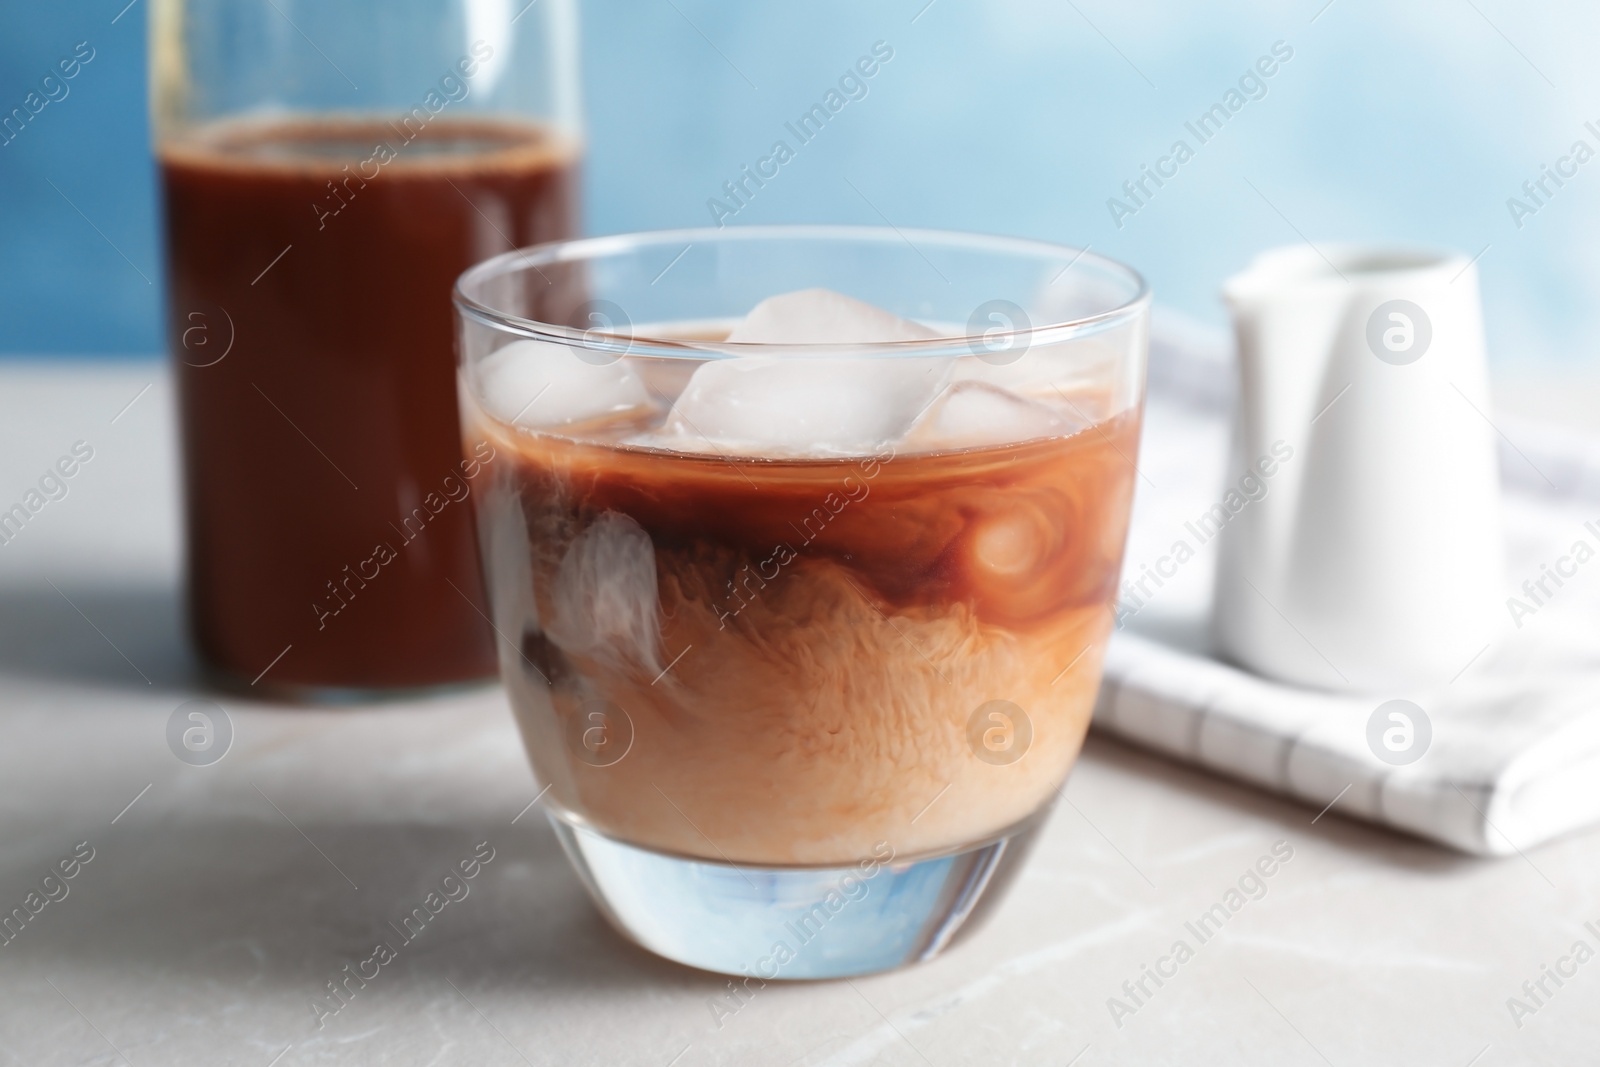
(541, 385)
(801, 406)
(806, 404)
(1044, 372)
(972, 413)
(605, 604)
(823, 317)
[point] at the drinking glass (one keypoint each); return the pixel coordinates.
(328, 170)
(802, 639)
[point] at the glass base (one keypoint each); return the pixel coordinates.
(784, 923)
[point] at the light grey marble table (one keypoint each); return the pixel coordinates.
(220, 900)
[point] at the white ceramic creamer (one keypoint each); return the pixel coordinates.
(1373, 561)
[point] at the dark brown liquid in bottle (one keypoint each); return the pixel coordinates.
(329, 533)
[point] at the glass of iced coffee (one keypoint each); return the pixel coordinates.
(802, 547)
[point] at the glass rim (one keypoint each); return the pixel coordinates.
(588, 248)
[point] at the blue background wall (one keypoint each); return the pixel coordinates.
(1408, 122)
